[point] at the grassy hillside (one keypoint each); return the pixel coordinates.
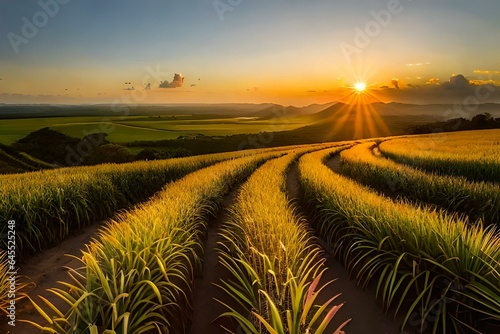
(13, 161)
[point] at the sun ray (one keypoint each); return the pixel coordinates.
(359, 114)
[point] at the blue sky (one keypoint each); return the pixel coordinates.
(276, 51)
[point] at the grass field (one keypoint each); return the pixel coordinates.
(134, 128)
(152, 125)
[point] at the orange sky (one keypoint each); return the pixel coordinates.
(289, 53)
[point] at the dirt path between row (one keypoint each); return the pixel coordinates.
(334, 163)
(360, 305)
(44, 270)
(206, 307)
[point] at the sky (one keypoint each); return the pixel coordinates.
(294, 52)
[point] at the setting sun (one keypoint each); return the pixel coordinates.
(360, 86)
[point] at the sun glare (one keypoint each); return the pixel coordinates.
(360, 86)
(358, 112)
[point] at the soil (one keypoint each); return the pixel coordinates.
(206, 293)
(44, 270)
(334, 163)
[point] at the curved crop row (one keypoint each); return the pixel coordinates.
(276, 267)
(49, 205)
(449, 272)
(455, 194)
(474, 155)
(138, 275)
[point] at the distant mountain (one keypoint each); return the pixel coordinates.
(34, 111)
(315, 108)
(263, 110)
(277, 110)
(342, 121)
(441, 112)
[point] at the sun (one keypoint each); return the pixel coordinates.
(360, 87)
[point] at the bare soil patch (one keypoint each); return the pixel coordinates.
(44, 270)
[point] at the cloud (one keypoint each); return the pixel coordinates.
(457, 90)
(395, 83)
(417, 64)
(433, 82)
(177, 82)
(487, 72)
(457, 82)
(485, 77)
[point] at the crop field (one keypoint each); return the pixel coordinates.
(414, 222)
(473, 155)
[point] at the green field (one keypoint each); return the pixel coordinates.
(132, 128)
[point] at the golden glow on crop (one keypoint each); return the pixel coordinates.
(276, 253)
(374, 220)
